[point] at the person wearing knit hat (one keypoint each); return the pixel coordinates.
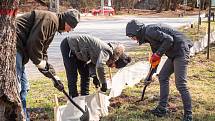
(165, 40)
(35, 32)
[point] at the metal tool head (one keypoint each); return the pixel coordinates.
(86, 115)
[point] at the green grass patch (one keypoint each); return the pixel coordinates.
(194, 33)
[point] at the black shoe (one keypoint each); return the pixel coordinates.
(187, 118)
(159, 111)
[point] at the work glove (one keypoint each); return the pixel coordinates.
(155, 60)
(96, 82)
(57, 83)
(104, 87)
(48, 71)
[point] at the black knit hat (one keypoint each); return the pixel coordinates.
(122, 61)
(72, 17)
(133, 27)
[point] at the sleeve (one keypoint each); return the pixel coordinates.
(165, 39)
(100, 66)
(39, 39)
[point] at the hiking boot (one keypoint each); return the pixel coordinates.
(159, 111)
(187, 118)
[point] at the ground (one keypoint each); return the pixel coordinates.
(201, 74)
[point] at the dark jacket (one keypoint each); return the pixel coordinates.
(162, 39)
(91, 50)
(35, 32)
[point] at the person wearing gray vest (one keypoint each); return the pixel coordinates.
(84, 53)
(176, 46)
(35, 32)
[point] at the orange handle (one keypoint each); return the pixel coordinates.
(155, 63)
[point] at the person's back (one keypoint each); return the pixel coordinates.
(88, 47)
(180, 40)
(32, 28)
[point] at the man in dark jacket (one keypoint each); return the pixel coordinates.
(165, 40)
(35, 31)
(86, 54)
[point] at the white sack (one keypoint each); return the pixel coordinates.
(129, 75)
(97, 105)
(72, 113)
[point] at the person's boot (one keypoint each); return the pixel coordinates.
(187, 118)
(159, 111)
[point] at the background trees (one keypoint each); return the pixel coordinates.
(157, 5)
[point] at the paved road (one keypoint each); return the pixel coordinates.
(107, 30)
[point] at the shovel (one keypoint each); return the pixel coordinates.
(85, 116)
(148, 79)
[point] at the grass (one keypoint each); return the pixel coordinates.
(201, 75)
(195, 34)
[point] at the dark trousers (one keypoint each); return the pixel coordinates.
(74, 66)
(178, 66)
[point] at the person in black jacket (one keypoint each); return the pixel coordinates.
(174, 44)
(35, 32)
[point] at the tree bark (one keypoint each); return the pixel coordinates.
(173, 5)
(160, 8)
(10, 103)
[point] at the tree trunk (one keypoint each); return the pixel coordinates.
(160, 6)
(167, 6)
(10, 104)
(173, 5)
(75, 4)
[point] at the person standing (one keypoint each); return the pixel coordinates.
(35, 32)
(89, 55)
(176, 46)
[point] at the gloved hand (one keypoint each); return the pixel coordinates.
(104, 87)
(57, 83)
(48, 70)
(96, 82)
(155, 60)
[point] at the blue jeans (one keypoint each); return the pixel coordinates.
(24, 84)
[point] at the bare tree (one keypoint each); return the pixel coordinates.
(173, 5)
(160, 7)
(167, 5)
(10, 104)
